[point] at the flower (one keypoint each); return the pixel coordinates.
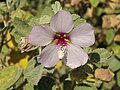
(63, 40)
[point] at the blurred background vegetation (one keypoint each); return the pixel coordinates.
(18, 70)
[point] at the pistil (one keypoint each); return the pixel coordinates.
(61, 39)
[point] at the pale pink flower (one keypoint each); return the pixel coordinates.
(62, 40)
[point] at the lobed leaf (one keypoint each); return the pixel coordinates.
(39, 20)
(114, 64)
(75, 16)
(79, 21)
(8, 76)
(33, 74)
(103, 54)
(56, 7)
(21, 29)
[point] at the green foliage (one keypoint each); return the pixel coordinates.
(45, 83)
(114, 64)
(78, 21)
(32, 73)
(21, 29)
(39, 20)
(3, 7)
(103, 54)
(118, 78)
(99, 57)
(75, 16)
(89, 86)
(83, 88)
(47, 11)
(18, 17)
(5, 76)
(22, 3)
(108, 85)
(110, 35)
(4, 50)
(56, 7)
(116, 49)
(94, 3)
(29, 87)
(78, 74)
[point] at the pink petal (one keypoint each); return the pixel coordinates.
(41, 35)
(49, 56)
(83, 35)
(62, 22)
(75, 56)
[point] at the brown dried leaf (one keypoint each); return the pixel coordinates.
(25, 44)
(118, 26)
(104, 74)
(110, 21)
(116, 1)
(114, 5)
(117, 37)
(90, 12)
(75, 2)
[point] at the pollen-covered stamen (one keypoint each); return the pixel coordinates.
(61, 51)
(61, 39)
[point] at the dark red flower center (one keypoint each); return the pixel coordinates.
(61, 39)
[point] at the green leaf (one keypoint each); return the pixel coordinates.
(116, 49)
(56, 7)
(21, 29)
(32, 73)
(114, 64)
(5, 50)
(75, 16)
(19, 82)
(110, 35)
(3, 7)
(103, 54)
(91, 85)
(54, 87)
(82, 88)
(47, 11)
(87, 49)
(11, 4)
(108, 85)
(22, 3)
(118, 78)
(78, 74)
(8, 76)
(94, 3)
(39, 20)
(29, 87)
(100, 57)
(21, 25)
(19, 13)
(79, 21)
